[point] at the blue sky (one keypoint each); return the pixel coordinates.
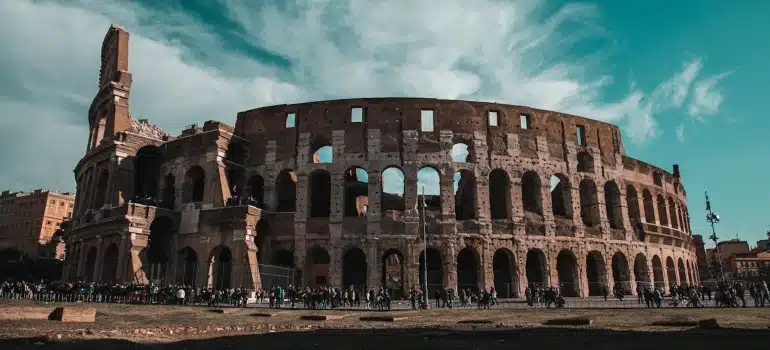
(685, 80)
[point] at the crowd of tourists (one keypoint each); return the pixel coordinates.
(723, 294)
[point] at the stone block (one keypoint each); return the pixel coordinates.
(571, 321)
(73, 314)
(675, 323)
(710, 323)
(266, 314)
(223, 311)
(322, 317)
(384, 318)
(475, 322)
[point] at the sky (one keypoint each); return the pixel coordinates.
(684, 80)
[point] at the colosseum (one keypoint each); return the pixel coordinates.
(354, 192)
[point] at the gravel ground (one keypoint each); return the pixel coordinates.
(154, 327)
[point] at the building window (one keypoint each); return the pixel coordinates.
(581, 135)
(492, 118)
(426, 120)
(53, 201)
(48, 223)
(356, 115)
(524, 121)
(291, 120)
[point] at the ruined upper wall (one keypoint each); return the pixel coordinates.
(393, 115)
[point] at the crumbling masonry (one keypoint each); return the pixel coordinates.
(540, 198)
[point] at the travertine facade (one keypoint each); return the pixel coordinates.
(29, 220)
(542, 197)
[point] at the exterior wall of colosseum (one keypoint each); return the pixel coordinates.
(155, 207)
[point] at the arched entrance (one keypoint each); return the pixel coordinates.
(468, 269)
(505, 274)
(282, 257)
(670, 272)
(596, 272)
(110, 264)
(221, 268)
(657, 272)
(158, 250)
(682, 272)
(393, 273)
(187, 267)
(537, 268)
(317, 267)
(621, 274)
(354, 269)
(90, 266)
(641, 271)
(569, 275)
(435, 270)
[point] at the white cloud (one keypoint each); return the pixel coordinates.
(706, 98)
(185, 73)
(680, 133)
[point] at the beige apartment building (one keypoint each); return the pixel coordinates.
(28, 221)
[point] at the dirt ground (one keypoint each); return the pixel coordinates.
(168, 327)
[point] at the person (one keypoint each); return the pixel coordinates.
(180, 294)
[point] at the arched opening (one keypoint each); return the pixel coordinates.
(392, 197)
(393, 272)
(354, 269)
(322, 154)
(147, 171)
(435, 267)
(468, 269)
(499, 195)
(169, 191)
(537, 269)
(110, 264)
(286, 191)
(221, 267)
(282, 257)
(692, 273)
(320, 187)
(662, 210)
(672, 213)
(641, 270)
(569, 275)
(101, 189)
(682, 272)
(505, 274)
(235, 164)
(670, 272)
(465, 195)
(632, 202)
(318, 267)
(429, 185)
(649, 207)
(90, 266)
(530, 192)
(657, 179)
(257, 191)
(194, 184)
(596, 272)
(356, 192)
(187, 266)
(585, 162)
(461, 152)
(613, 205)
(158, 249)
(621, 273)
(589, 203)
(561, 196)
(657, 272)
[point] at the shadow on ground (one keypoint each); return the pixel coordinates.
(402, 339)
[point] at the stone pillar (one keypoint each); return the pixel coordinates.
(271, 176)
(546, 204)
(487, 270)
(99, 264)
(373, 266)
(450, 265)
(122, 257)
(603, 217)
(82, 259)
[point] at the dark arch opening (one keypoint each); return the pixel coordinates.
(90, 265)
(318, 266)
(682, 272)
(283, 257)
(621, 273)
(632, 202)
(356, 192)
(222, 267)
(465, 196)
(257, 191)
(320, 194)
(195, 184)
(354, 269)
(435, 270)
(530, 192)
(393, 272)
(499, 195)
(589, 203)
(641, 270)
(537, 268)
(286, 191)
(662, 210)
(585, 162)
(169, 191)
(670, 272)
(596, 272)
(468, 269)
(147, 171)
(672, 213)
(187, 267)
(657, 272)
(110, 264)
(569, 275)
(649, 207)
(159, 247)
(561, 196)
(505, 274)
(613, 205)
(101, 189)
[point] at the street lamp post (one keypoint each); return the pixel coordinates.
(713, 218)
(424, 249)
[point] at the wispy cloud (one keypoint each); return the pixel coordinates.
(707, 98)
(512, 52)
(680, 133)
